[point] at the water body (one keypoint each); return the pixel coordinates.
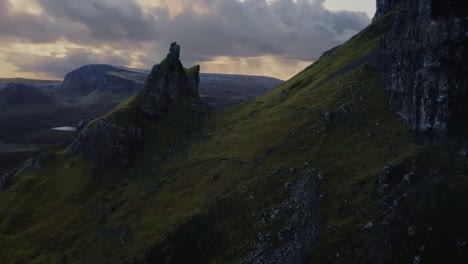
(65, 128)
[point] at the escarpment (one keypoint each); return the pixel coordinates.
(114, 138)
(423, 63)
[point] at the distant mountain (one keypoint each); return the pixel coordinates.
(44, 84)
(100, 83)
(17, 94)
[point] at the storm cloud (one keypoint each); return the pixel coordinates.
(290, 30)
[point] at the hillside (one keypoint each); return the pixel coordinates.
(17, 95)
(318, 170)
(30, 108)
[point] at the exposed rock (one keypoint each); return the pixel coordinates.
(5, 181)
(106, 143)
(37, 161)
(113, 139)
(114, 235)
(368, 226)
(168, 83)
(293, 240)
(423, 63)
(82, 124)
(411, 231)
(384, 6)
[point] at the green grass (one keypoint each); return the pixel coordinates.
(175, 211)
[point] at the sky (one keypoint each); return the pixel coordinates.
(48, 38)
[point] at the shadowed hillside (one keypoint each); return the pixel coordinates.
(318, 170)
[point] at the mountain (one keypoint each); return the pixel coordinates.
(322, 169)
(101, 83)
(44, 84)
(17, 95)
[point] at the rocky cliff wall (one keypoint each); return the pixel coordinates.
(423, 63)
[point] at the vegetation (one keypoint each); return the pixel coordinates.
(199, 186)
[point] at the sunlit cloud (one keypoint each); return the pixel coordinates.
(47, 38)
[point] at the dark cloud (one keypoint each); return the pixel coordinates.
(34, 28)
(105, 19)
(299, 30)
(252, 28)
(58, 66)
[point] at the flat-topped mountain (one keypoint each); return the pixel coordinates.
(99, 82)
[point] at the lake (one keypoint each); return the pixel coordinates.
(65, 128)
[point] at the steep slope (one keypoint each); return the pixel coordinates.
(317, 170)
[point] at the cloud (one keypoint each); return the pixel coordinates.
(298, 29)
(105, 19)
(34, 28)
(207, 29)
(57, 67)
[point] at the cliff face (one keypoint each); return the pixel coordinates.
(423, 63)
(113, 139)
(168, 83)
(384, 6)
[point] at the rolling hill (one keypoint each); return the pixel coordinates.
(22, 95)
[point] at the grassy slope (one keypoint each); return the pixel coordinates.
(168, 208)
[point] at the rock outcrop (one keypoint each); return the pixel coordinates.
(5, 181)
(37, 161)
(168, 83)
(384, 6)
(113, 139)
(423, 63)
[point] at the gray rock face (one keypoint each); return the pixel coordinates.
(384, 6)
(37, 161)
(168, 83)
(4, 181)
(292, 242)
(423, 63)
(114, 139)
(107, 143)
